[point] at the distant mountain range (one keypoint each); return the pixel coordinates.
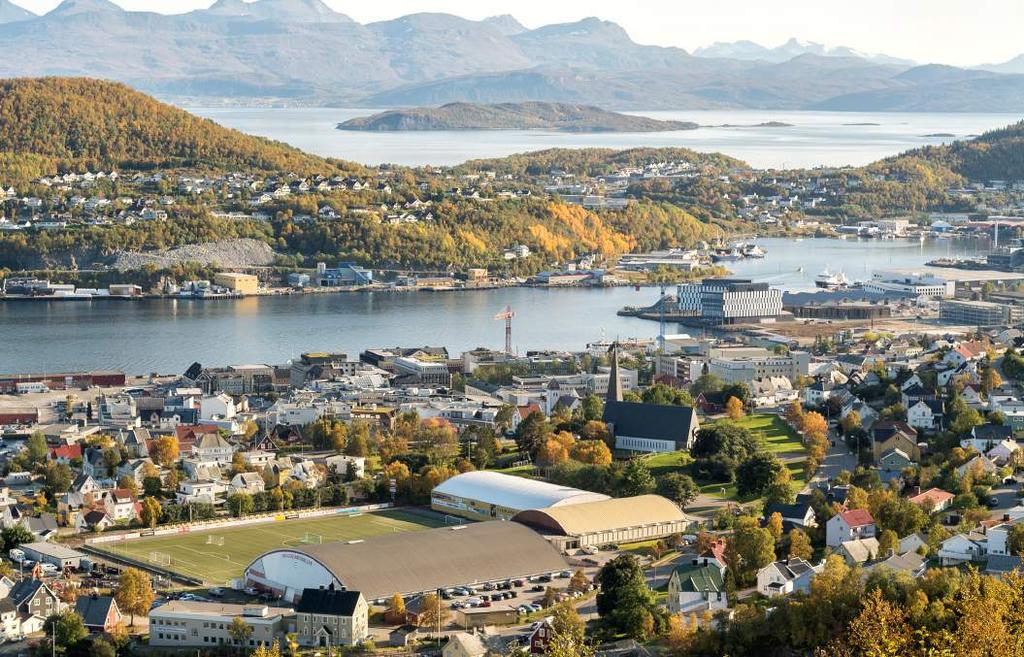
(303, 51)
(750, 51)
(534, 115)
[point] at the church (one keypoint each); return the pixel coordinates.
(639, 427)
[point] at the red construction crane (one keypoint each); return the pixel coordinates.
(507, 315)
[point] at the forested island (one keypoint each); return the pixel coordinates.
(559, 117)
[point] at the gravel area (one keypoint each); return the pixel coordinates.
(225, 253)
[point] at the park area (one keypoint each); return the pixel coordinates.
(217, 555)
(776, 437)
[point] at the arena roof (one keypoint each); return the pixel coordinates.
(513, 492)
(421, 561)
(607, 515)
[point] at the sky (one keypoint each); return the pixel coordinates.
(957, 32)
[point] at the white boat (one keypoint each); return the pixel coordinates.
(829, 281)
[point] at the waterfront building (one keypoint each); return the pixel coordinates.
(979, 313)
(730, 300)
(244, 284)
(346, 273)
(914, 283)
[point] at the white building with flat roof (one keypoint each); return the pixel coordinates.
(183, 624)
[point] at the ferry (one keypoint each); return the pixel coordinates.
(829, 281)
(727, 255)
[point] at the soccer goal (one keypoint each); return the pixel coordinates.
(160, 558)
(215, 540)
(311, 539)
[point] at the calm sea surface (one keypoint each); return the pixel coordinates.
(168, 335)
(813, 139)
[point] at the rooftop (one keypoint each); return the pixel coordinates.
(514, 492)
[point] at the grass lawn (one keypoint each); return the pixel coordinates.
(217, 555)
(668, 462)
(778, 437)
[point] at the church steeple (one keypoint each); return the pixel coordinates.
(614, 385)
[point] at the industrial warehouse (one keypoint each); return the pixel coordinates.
(494, 496)
(408, 563)
(628, 519)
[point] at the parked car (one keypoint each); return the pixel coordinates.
(217, 592)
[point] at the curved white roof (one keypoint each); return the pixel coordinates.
(514, 492)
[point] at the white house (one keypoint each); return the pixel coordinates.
(206, 492)
(217, 407)
(963, 548)
(211, 447)
(848, 526)
(785, 577)
(1004, 452)
(696, 588)
(119, 505)
(925, 414)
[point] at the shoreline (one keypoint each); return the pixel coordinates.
(285, 292)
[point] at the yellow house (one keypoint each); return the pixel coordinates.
(245, 284)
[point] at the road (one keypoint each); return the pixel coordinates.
(839, 458)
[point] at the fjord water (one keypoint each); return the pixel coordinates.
(168, 335)
(812, 138)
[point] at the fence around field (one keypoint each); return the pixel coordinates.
(228, 523)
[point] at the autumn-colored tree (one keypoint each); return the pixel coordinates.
(888, 544)
(150, 512)
(556, 449)
(851, 422)
(595, 430)
(794, 413)
(592, 452)
(432, 612)
(393, 446)
(880, 630)
(396, 609)
(990, 380)
(240, 632)
(856, 498)
(734, 408)
(774, 525)
(579, 581)
(129, 484)
(165, 450)
(800, 545)
(134, 592)
(813, 426)
(270, 649)
(567, 637)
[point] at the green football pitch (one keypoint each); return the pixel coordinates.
(216, 555)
